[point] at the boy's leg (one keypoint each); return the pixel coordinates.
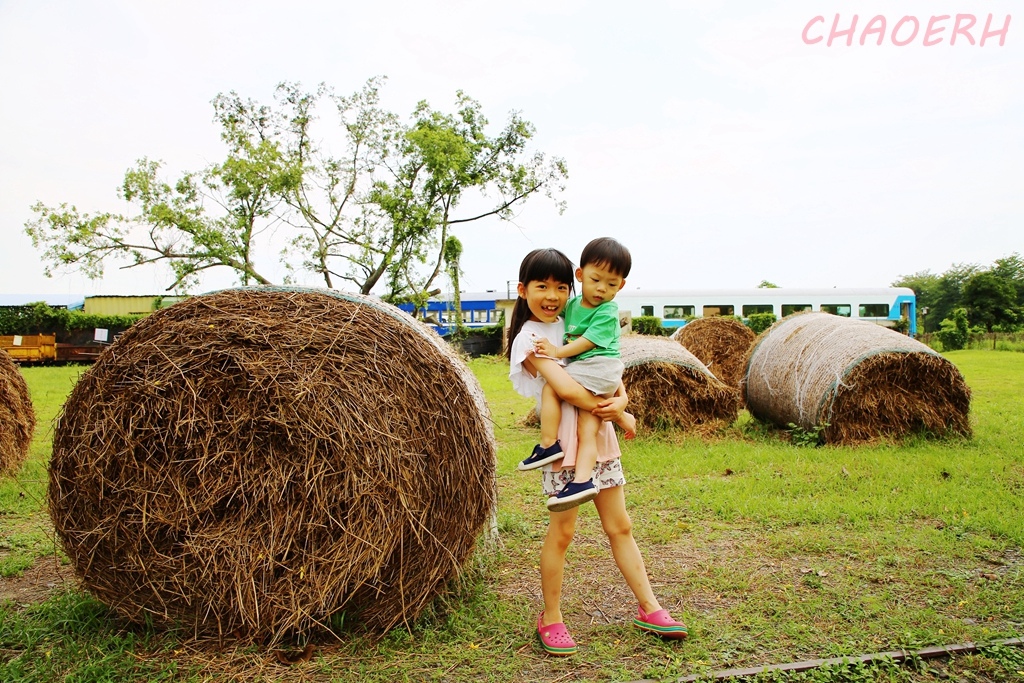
(628, 425)
(549, 450)
(581, 488)
(587, 426)
(550, 416)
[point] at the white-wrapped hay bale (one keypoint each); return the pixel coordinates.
(854, 379)
(669, 387)
(256, 461)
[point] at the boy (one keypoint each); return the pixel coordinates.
(592, 349)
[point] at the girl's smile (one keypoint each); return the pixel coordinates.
(544, 298)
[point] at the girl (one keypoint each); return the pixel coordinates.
(545, 282)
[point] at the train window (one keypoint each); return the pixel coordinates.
(678, 312)
(647, 310)
(723, 309)
(751, 309)
(874, 310)
(789, 309)
(837, 309)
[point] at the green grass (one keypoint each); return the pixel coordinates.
(771, 552)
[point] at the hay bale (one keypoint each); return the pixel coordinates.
(256, 461)
(860, 379)
(720, 343)
(669, 388)
(17, 416)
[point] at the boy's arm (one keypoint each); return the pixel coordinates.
(573, 348)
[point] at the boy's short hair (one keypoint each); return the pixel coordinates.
(605, 251)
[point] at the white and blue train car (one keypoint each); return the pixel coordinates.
(882, 305)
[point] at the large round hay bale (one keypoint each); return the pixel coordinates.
(17, 416)
(854, 380)
(720, 343)
(260, 461)
(669, 388)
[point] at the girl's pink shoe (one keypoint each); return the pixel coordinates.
(555, 638)
(660, 623)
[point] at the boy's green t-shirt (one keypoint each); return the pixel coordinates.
(600, 325)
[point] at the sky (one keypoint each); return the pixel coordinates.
(711, 138)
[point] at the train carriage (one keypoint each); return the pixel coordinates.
(883, 305)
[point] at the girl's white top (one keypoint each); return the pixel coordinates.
(529, 386)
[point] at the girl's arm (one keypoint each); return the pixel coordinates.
(611, 409)
(570, 391)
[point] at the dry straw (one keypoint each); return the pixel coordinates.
(669, 388)
(720, 343)
(17, 416)
(258, 462)
(854, 380)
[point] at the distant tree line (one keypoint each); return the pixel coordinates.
(41, 318)
(968, 295)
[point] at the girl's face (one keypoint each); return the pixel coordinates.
(544, 298)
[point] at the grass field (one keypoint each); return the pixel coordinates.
(771, 552)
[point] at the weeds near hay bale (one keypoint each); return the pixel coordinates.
(669, 388)
(17, 416)
(858, 380)
(257, 461)
(719, 343)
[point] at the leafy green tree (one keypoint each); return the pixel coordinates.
(1011, 269)
(452, 255)
(939, 294)
(991, 301)
(765, 284)
(377, 215)
(954, 331)
(173, 223)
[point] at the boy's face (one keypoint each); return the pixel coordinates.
(598, 284)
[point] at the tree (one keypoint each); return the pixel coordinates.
(940, 294)
(172, 223)
(991, 301)
(954, 332)
(377, 216)
(1011, 269)
(452, 255)
(765, 284)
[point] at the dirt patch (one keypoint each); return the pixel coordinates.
(45, 577)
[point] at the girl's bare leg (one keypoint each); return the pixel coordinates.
(611, 507)
(561, 527)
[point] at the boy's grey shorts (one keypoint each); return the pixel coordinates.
(600, 375)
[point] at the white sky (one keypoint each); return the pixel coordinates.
(706, 136)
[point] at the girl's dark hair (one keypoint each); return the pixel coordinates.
(539, 264)
(607, 252)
